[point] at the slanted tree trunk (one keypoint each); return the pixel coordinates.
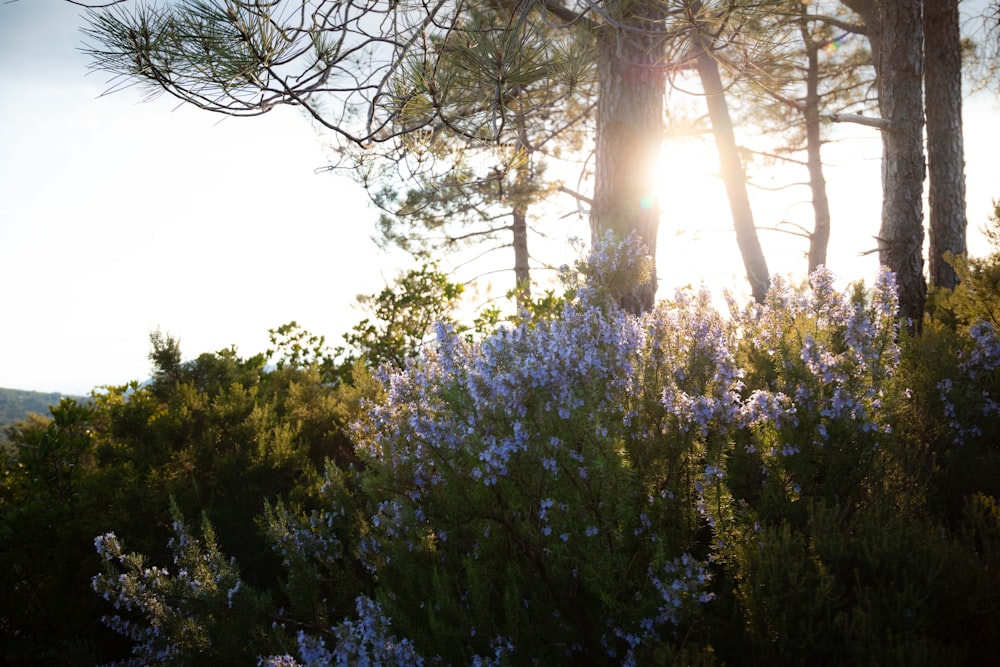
(733, 175)
(901, 103)
(630, 127)
(945, 154)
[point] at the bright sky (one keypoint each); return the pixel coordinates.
(118, 217)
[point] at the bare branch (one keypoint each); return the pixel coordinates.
(846, 26)
(801, 233)
(576, 195)
(777, 188)
(879, 123)
(776, 156)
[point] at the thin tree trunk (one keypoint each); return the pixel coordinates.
(820, 237)
(630, 126)
(733, 176)
(901, 103)
(945, 154)
(522, 274)
(519, 224)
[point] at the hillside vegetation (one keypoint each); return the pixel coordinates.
(17, 404)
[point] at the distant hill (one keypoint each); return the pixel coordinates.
(16, 404)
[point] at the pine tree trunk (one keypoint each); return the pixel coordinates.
(522, 274)
(733, 176)
(945, 154)
(820, 237)
(630, 127)
(901, 102)
(519, 224)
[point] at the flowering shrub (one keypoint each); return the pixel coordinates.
(593, 486)
(179, 617)
(819, 372)
(317, 547)
(530, 491)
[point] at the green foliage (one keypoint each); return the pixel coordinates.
(48, 497)
(295, 348)
(955, 382)
(220, 435)
(977, 296)
(165, 356)
(404, 316)
(223, 436)
(529, 309)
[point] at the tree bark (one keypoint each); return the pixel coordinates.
(522, 274)
(630, 127)
(901, 102)
(820, 237)
(733, 176)
(519, 214)
(945, 153)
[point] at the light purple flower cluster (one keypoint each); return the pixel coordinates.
(158, 598)
(108, 547)
(612, 269)
(970, 399)
(514, 380)
(688, 586)
(362, 642)
(984, 357)
(691, 339)
(310, 536)
(690, 582)
(962, 429)
(767, 407)
(502, 647)
(839, 369)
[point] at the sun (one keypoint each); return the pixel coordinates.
(696, 244)
(687, 161)
(691, 193)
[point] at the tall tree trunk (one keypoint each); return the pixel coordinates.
(519, 224)
(901, 103)
(820, 237)
(630, 127)
(945, 154)
(733, 175)
(522, 274)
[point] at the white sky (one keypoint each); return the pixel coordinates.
(118, 217)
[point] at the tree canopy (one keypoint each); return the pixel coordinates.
(378, 73)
